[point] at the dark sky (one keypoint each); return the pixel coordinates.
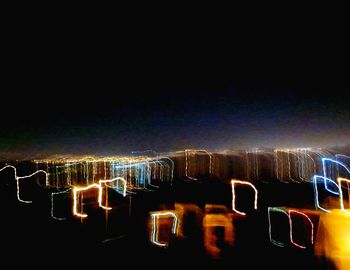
(167, 91)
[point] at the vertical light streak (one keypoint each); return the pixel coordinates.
(340, 180)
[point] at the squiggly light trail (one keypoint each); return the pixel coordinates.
(288, 213)
(52, 203)
(275, 209)
(17, 178)
(291, 227)
(75, 199)
(100, 191)
(187, 161)
(117, 179)
(233, 182)
(154, 231)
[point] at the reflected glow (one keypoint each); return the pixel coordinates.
(333, 238)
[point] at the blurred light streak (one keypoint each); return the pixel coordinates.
(211, 221)
(340, 180)
(186, 208)
(333, 239)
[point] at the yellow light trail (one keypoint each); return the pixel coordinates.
(101, 190)
(75, 199)
(340, 180)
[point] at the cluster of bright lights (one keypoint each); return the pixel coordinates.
(289, 213)
(139, 172)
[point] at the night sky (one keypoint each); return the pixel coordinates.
(169, 92)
